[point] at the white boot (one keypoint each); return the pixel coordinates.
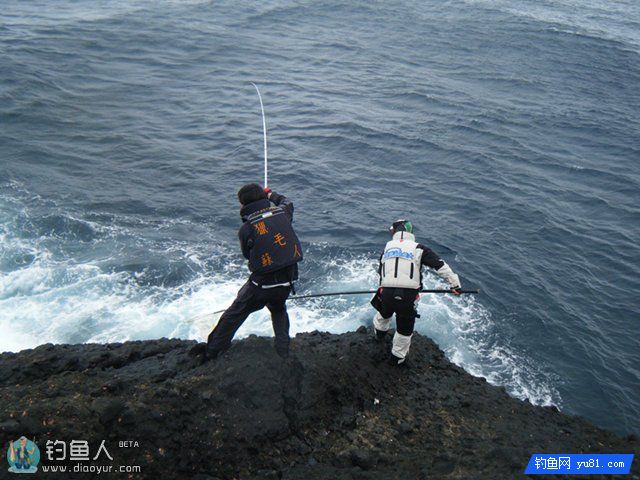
(401, 344)
(380, 326)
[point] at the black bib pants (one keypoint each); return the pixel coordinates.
(402, 302)
(252, 298)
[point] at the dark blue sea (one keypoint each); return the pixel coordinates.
(508, 131)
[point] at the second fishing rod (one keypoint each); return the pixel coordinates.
(369, 292)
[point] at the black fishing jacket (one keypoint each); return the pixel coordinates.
(268, 241)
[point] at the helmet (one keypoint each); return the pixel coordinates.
(401, 225)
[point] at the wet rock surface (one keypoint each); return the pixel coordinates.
(333, 410)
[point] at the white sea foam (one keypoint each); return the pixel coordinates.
(79, 303)
(467, 334)
(57, 299)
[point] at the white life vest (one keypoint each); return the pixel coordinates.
(401, 262)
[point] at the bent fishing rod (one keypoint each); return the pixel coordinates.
(264, 133)
(326, 294)
(365, 292)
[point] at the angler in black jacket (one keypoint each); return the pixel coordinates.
(273, 250)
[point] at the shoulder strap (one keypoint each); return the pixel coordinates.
(265, 213)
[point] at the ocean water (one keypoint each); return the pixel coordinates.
(508, 131)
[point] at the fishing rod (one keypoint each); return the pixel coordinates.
(326, 294)
(264, 132)
(362, 292)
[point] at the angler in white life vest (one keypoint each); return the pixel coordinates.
(400, 283)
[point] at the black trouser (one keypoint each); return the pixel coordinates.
(252, 298)
(402, 302)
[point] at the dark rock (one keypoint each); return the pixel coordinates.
(342, 459)
(348, 417)
(107, 409)
(405, 428)
(10, 426)
(111, 386)
(358, 474)
(270, 474)
(506, 456)
(127, 417)
(443, 464)
(363, 459)
(249, 414)
(198, 349)
(31, 425)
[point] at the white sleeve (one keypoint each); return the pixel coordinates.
(446, 273)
